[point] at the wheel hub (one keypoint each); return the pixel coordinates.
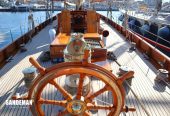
(76, 107)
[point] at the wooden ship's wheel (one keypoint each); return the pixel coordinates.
(78, 104)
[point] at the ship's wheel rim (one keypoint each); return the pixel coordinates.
(108, 79)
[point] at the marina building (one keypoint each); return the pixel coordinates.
(32, 1)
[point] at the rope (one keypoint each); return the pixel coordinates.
(144, 73)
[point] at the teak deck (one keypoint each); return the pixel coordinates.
(155, 97)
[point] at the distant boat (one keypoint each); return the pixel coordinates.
(22, 7)
(155, 27)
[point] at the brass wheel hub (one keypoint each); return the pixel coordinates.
(76, 107)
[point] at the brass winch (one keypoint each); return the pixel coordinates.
(29, 75)
(74, 52)
(162, 75)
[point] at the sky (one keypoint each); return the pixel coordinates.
(165, 0)
(162, 0)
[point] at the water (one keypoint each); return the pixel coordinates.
(115, 15)
(13, 25)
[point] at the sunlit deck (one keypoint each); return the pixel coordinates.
(155, 97)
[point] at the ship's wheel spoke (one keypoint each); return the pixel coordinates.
(86, 114)
(80, 86)
(53, 102)
(62, 113)
(111, 113)
(62, 90)
(99, 107)
(91, 97)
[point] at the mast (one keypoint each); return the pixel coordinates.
(158, 6)
(79, 4)
(125, 5)
(52, 5)
(109, 11)
(89, 3)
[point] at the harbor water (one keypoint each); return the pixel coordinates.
(15, 24)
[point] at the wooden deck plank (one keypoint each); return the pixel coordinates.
(149, 89)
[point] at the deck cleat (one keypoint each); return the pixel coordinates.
(133, 46)
(111, 56)
(22, 48)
